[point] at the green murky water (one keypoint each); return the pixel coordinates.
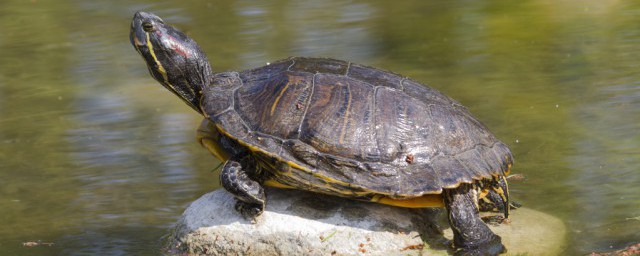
(96, 157)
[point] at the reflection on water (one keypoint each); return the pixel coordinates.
(608, 159)
(97, 158)
(300, 28)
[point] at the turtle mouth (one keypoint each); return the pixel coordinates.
(135, 41)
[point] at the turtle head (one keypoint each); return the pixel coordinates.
(174, 59)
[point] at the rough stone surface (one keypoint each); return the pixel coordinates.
(303, 223)
(631, 250)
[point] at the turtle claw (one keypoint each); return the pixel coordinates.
(495, 220)
(249, 211)
(494, 247)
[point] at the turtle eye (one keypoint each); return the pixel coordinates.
(147, 26)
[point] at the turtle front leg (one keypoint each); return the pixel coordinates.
(471, 236)
(248, 192)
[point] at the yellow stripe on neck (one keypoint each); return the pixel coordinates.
(165, 77)
(161, 69)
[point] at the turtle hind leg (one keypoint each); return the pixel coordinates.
(471, 236)
(249, 194)
(497, 199)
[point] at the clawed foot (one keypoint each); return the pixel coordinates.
(249, 194)
(495, 220)
(491, 248)
(249, 211)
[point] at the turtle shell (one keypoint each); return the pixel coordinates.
(340, 128)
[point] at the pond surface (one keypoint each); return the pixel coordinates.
(97, 158)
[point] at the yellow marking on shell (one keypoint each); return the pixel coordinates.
(430, 200)
(345, 121)
(275, 103)
(279, 184)
(276, 184)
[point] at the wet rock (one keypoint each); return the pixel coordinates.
(630, 250)
(303, 223)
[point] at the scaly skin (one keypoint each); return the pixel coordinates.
(249, 193)
(471, 236)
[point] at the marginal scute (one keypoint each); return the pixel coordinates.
(474, 164)
(503, 153)
(421, 179)
(494, 162)
(302, 152)
(266, 143)
(232, 124)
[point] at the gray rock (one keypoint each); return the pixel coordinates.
(304, 223)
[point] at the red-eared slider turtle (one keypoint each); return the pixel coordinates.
(337, 128)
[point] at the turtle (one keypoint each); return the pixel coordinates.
(337, 128)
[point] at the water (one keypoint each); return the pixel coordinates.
(96, 157)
